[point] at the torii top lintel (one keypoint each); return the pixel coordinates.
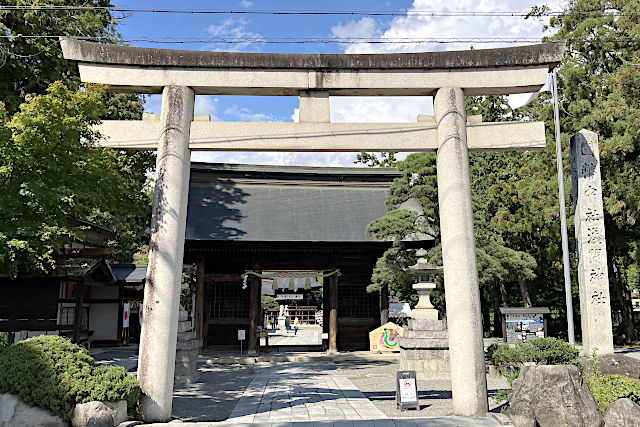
(478, 72)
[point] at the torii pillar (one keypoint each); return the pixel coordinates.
(447, 76)
(462, 294)
(157, 357)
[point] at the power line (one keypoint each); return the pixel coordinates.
(316, 11)
(316, 40)
(403, 13)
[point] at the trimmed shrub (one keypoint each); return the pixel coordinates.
(540, 351)
(52, 373)
(609, 388)
(3, 343)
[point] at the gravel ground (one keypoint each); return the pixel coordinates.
(377, 381)
(219, 388)
(215, 394)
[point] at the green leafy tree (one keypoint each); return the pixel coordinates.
(499, 264)
(31, 60)
(269, 303)
(50, 168)
(599, 84)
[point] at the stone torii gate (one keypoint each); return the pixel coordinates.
(448, 76)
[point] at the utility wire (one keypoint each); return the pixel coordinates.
(403, 13)
(317, 12)
(315, 40)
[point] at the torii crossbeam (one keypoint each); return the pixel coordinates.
(448, 76)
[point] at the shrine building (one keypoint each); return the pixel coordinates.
(274, 218)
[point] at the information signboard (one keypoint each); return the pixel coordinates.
(241, 337)
(407, 390)
(524, 327)
(288, 296)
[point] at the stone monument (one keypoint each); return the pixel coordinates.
(593, 276)
(282, 318)
(424, 347)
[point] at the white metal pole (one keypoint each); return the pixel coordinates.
(563, 214)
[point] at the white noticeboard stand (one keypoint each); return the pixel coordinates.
(241, 337)
(406, 390)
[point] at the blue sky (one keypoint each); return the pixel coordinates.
(159, 26)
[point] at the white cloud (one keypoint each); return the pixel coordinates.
(370, 109)
(295, 117)
(236, 30)
(247, 3)
(416, 25)
(246, 115)
(413, 25)
(276, 158)
(365, 28)
(206, 104)
(385, 109)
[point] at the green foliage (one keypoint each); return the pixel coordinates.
(503, 394)
(418, 181)
(268, 302)
(598, 85)
(3, 343)
(595, 363)
(541, 351)
(52, 373)
(609, 388)
(51, 168)
(34, 63)
(377, 160)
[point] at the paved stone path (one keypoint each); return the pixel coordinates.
(306, 336)
(290, 392)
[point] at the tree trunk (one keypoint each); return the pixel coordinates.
(624, 301)
(497, 320)
(524, 290)
(503, 294)
(485, 307)
(384, 305)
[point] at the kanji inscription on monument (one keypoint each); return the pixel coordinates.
(593, 275)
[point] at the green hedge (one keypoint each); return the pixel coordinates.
(52, 373)
(541, 351)
(609, 388)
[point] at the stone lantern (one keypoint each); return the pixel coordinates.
(425, 344)
(425, 273)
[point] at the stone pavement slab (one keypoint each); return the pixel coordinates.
(298, 392)
(405, 422)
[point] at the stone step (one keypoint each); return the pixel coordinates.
(186, 336)
(183, 315)
(423, 343)
(184, 326)
(426, 325)
(410, 333)
(188, 345)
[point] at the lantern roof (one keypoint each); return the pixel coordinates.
(424, 266)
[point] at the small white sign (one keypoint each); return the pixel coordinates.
(325, 336)
(408, 390)
(289, 296)
(240, 334)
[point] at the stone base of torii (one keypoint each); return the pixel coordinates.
(448, 76)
